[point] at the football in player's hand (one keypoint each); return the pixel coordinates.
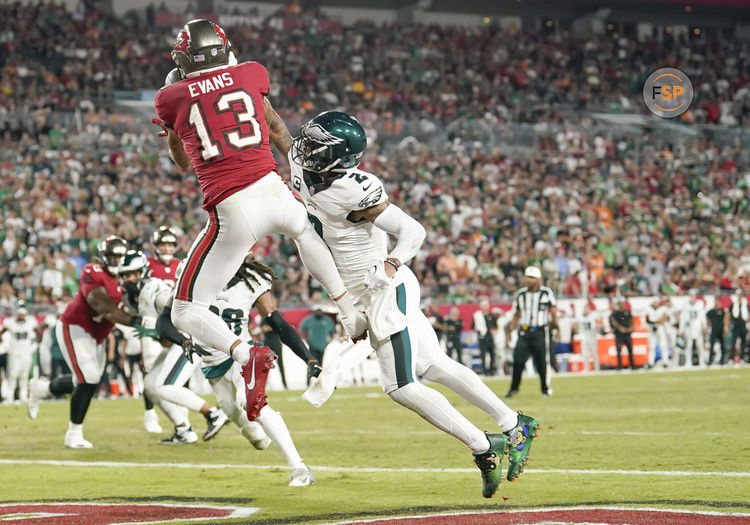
(174, 76)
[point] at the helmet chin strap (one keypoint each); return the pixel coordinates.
(166, 258)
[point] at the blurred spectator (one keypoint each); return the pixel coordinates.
(601, 209)
(454, 326)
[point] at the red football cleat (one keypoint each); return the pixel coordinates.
(255, 373)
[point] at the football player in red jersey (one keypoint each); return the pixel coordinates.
(216, 117)
(163, 264)
(80, 330)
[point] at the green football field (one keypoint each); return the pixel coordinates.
(678, 440)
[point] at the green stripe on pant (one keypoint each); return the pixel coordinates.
(176, 369)
(402, 344)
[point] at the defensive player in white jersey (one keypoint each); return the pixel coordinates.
(350, 211)
(587, 325)
(693, 327)
(165, 383)
(24, 335)
(657, 318)
(249, 288)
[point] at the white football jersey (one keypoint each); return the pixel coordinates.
(693, 319)
(654, 314)
(587, 325)
(21, 335)
(154, 296)
(355, 247)
(233, 305)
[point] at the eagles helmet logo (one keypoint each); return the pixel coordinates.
(319, 134)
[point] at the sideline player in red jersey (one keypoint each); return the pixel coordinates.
(80, 330)
(216, 117)
(163, 264)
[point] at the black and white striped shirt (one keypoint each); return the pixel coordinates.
(534, 306)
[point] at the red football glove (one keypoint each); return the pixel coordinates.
(159, 122)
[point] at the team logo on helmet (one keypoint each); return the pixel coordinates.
(319, 134)
(222, 35)
(182, 41)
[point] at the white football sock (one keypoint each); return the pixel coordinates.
(468, 385)
(275, 427)
(77, 428)
(181, 396)
(241, 353)
(432, 406)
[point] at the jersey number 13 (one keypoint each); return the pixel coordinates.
(234, 138)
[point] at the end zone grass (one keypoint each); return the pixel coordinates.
(607, 439)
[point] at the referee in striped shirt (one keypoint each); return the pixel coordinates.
(534, 314)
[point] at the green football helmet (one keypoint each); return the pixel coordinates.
(133, 261)
(332, 141)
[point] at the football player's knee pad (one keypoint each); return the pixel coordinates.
(180, 314)
(254, 433)
(149, 386)
(403, 395)
(186, 313)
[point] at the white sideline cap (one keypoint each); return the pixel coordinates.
(533, 271)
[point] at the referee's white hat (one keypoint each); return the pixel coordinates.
(533, 271)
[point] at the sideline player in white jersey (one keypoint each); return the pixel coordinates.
(693, 327)
(165, 383)
(349, 209)
(24, 335)
(251, 287)
(587, 325)
(657, 318)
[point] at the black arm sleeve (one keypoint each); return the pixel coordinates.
(166, 329)
(289, 336)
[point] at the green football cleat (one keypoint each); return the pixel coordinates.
(490, 463)
(519, 443)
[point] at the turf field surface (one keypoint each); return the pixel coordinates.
(646, 440)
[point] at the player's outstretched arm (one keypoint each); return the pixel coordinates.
(409, 233)
(177, 150)
(102, 303)
(278, 132)
(166, 329)
(266, 305)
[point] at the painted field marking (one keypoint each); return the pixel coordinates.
(540, 511)
(323, 468)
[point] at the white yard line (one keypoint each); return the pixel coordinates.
(322, 468)
(540, 511)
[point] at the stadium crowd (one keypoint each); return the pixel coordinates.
(595, 211)
(59, 58)
(662, 224)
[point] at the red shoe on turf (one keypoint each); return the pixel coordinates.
(255, 373)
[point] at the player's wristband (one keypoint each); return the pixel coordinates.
(393, 263)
